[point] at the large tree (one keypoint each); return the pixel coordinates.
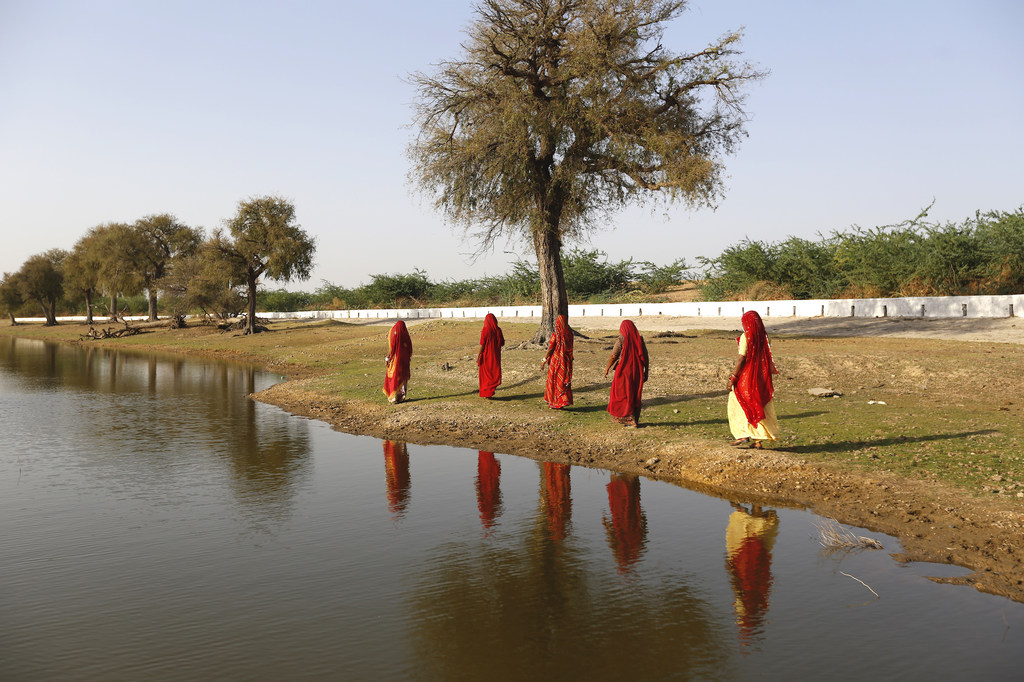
(265, 242)
(41, 279)
(159, 241)
(561, 111)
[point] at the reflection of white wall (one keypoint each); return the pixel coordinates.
(914, 306)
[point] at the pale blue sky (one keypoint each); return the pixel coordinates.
(112, 110)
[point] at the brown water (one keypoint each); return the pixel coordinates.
(159, 525)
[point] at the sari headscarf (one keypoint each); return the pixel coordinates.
(754, 387)
(628, 382)
(558, 390)
(491, 341)
(399, 353)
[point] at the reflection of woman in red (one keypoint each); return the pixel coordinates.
(558, 390)
(630, 361)
(396, 470)
(488, 359)
(488, 494)
(557, 499)
(749, 540)
(399, 353)
(627, 530)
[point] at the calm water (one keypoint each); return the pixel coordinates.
(158, 525)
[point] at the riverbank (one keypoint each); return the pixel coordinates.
(925, 442)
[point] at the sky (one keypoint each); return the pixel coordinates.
(114, 110)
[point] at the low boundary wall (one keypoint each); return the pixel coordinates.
(1011, 305)
(924, 306)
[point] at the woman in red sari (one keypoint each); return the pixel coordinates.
(558, 390)
(399, 352)
(751, 410)
(489, 357)
(631, 364)
(627, 528)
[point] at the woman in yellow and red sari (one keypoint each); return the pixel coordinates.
(751, 410)
(399, 353)
(488, 359)
(631, 364)
(558, 390)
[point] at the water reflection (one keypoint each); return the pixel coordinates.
(627, 528)
(163, 416)
(749, 540)
(536, 605)
(556, 499)
(488, 488)
(396, 473)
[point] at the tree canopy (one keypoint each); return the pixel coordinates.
(265, 242)
(41, 279)
(562, 111)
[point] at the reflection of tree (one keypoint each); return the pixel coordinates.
(557, 499)
(627, 528)
(749, 540)
(533, 608)
(488, 490)
(396, 469)
(163, 409)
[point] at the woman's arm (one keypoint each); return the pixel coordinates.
(614, 359)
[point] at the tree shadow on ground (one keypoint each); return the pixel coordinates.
(851, 445)
(682, 398)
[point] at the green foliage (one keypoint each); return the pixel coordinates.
(588, 273)
(283, 301)
(657, 279)
(982, 255)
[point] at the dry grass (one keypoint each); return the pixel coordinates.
(834, 538)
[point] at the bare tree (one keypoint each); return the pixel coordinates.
(562, 111)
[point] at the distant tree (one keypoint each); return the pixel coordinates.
(114, 246)
(159, 240)
(560, 111)
(265, 242)
(41, 279)
(205, 282)
(11, 298)
(82, 269)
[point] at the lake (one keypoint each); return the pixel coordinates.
(158, 524)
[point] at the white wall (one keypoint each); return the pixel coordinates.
(921, 306)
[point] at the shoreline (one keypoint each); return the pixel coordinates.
(935, 522)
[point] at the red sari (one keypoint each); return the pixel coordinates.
(488, 494)
(754, 387)
(396, 471)
(557, 499)
(630, 374)
(399, 354)
(558, 390)
(627, 529)
(489, 358)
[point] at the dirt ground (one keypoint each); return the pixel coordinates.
(934, 521)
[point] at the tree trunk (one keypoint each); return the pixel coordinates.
(88, 306)
(50, 309)
(250, 318)
(113, 307)
(554, 298)
(152, 305)
(14, 322)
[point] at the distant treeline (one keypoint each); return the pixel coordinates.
(589, 277)
(120, 268)
(981, 255)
